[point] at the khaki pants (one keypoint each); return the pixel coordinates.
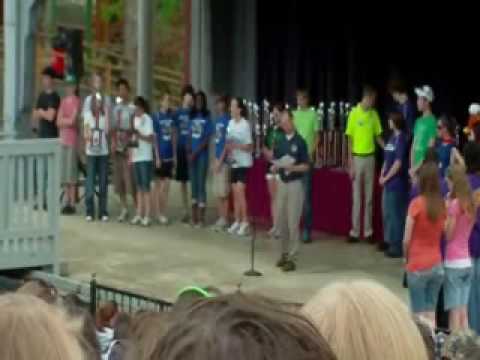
(364, 167)
(289, 206)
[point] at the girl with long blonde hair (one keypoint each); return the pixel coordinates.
(458, 263)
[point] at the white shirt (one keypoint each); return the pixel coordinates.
(99, 145)
(88, 101)
(144, 151)
(239, 132)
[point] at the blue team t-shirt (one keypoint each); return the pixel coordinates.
(397, 149)
(182, 124)
(164, 126)
(221, 125)
(200, 130)
(444, 151)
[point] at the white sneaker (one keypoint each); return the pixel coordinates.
(136, 220)
(146, 221)
(243, 230)
(233, 228)
(273, 232)
(163, 220)
(89, 218)
(123, 215)
(104, 218)
(220, 224)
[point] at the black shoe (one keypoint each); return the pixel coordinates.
(289, 266)
(65, 210)
(353, 240)
(73, 210)
(307, 238)
(393, 255)
(283, 260)
(370, 240)
(382, 246)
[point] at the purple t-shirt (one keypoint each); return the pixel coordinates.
(475, 235)
(397, 149)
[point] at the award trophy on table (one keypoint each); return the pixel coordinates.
(343, 125)
(331, 133)
(258, 130)
(321, 119)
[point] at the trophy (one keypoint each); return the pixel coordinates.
(258, 129)
(321, 119)
(266, 119)
(331, 115)
(343, 126)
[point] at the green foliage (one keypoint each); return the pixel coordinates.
(165, 11)
(113, 12)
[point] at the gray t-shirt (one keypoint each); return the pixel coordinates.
(122, 113)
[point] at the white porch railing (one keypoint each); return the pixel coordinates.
(29, 204)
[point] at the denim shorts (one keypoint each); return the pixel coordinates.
(458, 283)
(143, 175)
(424, 287)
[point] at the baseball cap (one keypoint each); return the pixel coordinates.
(474, 109)
(426, 92)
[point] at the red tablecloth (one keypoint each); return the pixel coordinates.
(332, 200)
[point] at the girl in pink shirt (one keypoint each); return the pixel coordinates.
(67, 123)
(458, 265)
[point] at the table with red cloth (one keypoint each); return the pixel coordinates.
(332, 200)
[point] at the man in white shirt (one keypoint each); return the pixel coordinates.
(142, 157)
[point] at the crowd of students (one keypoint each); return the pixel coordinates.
(358, 320)
(430, 201)
(429, 188)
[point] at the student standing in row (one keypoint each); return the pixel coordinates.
(123, 114)
(164, 127)
(363, 130)
(291, 193)
(44, 118)
(239, 151)
(421, 245)
(307, 126)
(445, 145)
(142, 157)
(221, 176)
(394, 179)
(97, 126)
(461, 217)
(67, 122)
(425, 129)
(182, 125)
(200, 131)
(404, 106)
(272, 138)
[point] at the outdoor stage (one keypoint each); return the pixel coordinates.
(158, 261)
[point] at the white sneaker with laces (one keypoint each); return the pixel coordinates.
(123, 215)
(220, 224)
(233, 228)
(146, 221)
(163, 220)
(136, 220)
(243, 230)
(89, 219)
(104, 218)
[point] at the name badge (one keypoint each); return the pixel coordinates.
(294, 148)
(97, 140)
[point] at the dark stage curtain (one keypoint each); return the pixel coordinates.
(332, 52)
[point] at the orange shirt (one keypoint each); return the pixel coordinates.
(424, 249)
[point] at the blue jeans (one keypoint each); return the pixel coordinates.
(307, 204)
(424, 288)
(474, 301)
(198, 178)
(97, 166)
(394, 205)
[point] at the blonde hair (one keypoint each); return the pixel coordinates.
(33, 329)
(461, 189)
(362, 320)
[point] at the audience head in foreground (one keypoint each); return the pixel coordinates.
(33, 329)
(362, 320)
(241, 327)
